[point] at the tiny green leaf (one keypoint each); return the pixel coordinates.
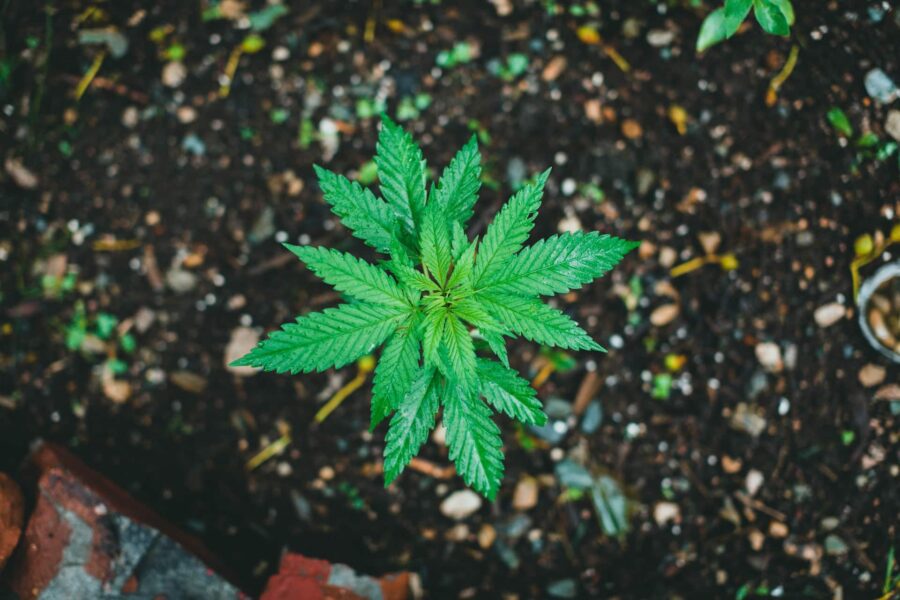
(770, 17)
(713, 30)
(840, 122)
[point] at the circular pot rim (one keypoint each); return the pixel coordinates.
(872, 283)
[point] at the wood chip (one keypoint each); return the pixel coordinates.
(664, 315)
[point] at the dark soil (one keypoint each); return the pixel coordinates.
(116, 189)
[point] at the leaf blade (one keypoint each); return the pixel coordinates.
(410, 425)
(460, 181)
(401, 171)
(474, 441)
(510, 394)
(396, 369)
(351, 275)
(318, 341)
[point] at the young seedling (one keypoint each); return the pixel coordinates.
(434, 299)
(774, 16)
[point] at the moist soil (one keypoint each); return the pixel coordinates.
(137, 184)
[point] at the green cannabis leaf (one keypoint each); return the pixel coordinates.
(433, 292)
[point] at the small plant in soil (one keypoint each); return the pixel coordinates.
(440, 302)
(774, 16)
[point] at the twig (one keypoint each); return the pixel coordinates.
(778, 80)
(364, 367)
(273, 449)
(85, 82)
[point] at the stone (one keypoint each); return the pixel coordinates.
(460, 504)
(525, 495)
(564, 588)
(881, 87)
(871, 375)
(174, 74)
(12, 513)
(243, 339)
(20, 174)
(631, 129)
(189, 382)
(769, 356)
(754, 481)
(180, 281)
(892, 124)
(829, 314)
(660, 37)
(666, 512)
(302, 578)
(87, 538)
(486, 536)
(835, 546)
(664, 314)
(554, 68)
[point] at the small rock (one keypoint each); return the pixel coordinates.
(881, 87)
(664, 314)
(631, 129)
(667, 256)
(660, 37)
(710, 241)
(830, 523)
(243, 340)
(564, 588)
(174, 74)
(486, 536)
(753, 481)
(457, 533)
(747, 420)
(186, 114)
(130, 117)
(572, 475)
(554, 68)
(889, 392)
(829, 314)
(871, 375)
(189, 382)
(12, 512)
(20, 174)
(777, 529)
(892, 124)
(525, 495)
(180, 281)
(117, 390)
(757, 539)
(731, 465)
(460, 504)
(769, 356)
(593, 417)
(143, 319)
(835, 546)
(281, 53)
(665, 512)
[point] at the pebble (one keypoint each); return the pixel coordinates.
(769, 356)
(486, 536)
(731, 465)
(667, 256)
(835, 546)
(593, 417)
(243, 339)
(189, 382)
(666, 512)
(21, 175)
(664, 314)
(130, 117)
(525, 495)
(871, 375)
(881, 87)
(572, 475)
(660, 37)
(174, 74)
(746, 420)
(778, 529)
(631, 129)
(281, 53)
(564, 588)
(892, 124)
(460, 504)
(889, 392)
(180, 281)
(554, 68)
(186, 114)
(754, 481)
(829, 314)
(757, 539)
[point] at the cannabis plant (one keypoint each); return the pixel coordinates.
(774, 16)
(439, 301)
